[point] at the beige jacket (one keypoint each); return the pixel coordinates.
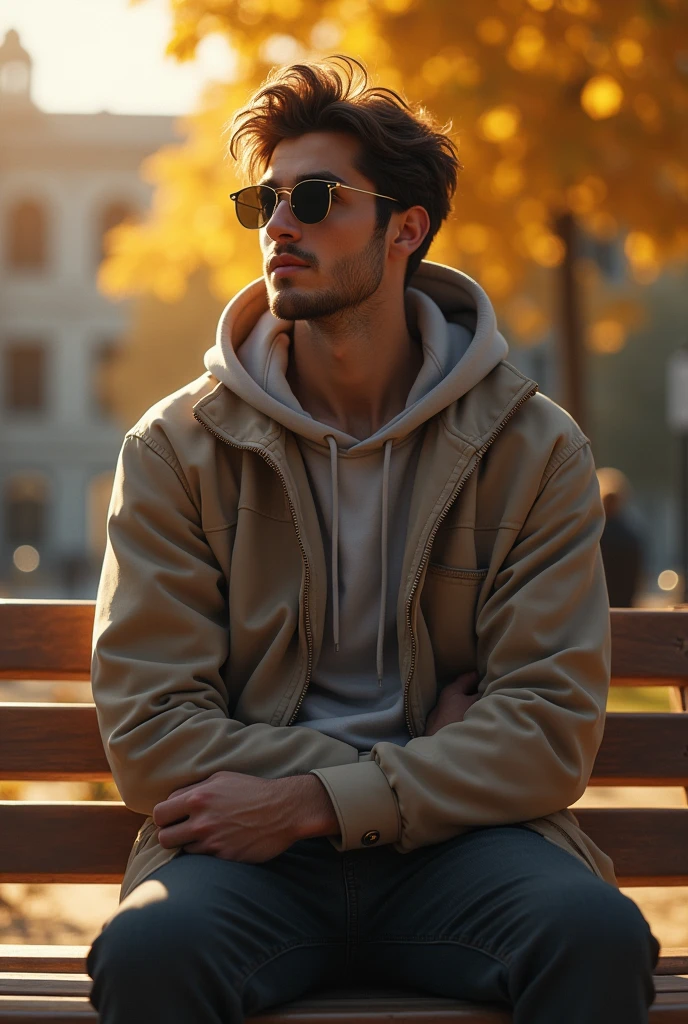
(212, 599)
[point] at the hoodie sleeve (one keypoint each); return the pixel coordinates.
(527, 747)
(161, 637)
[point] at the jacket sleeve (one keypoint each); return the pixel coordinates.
(527, 747)
(161, 637)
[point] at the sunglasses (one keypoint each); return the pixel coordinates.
(310, 201)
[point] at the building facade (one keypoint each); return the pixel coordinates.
(65, 180)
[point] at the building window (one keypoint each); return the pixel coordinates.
(27, 247)
(15, 78)
(25, 377)
(103, 355)
(113, 214)
(26, 503)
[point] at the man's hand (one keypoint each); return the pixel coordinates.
(454, 701)
(244, 818)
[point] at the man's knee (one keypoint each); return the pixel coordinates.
(594, 922)
(149, 934)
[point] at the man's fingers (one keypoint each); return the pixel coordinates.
(170, 810)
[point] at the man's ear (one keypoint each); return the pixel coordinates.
(409, 231)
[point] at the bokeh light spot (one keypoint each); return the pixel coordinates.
(26, 558)
(491, 31)
(601, 97)
(500, 123)
(667, 580)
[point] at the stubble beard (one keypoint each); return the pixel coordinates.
(358, 277)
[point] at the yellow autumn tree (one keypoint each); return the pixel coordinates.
(569, 115)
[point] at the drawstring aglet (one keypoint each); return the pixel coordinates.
(379, 681)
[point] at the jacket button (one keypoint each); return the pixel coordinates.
(370, 838)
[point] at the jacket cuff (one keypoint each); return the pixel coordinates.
(365, 805)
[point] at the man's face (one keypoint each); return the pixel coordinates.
(345, 255)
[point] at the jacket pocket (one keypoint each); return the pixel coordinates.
(468, 576)
(448, 603)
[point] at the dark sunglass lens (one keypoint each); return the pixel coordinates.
(255, 205)
(310, 201)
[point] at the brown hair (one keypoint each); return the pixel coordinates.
(403, 151)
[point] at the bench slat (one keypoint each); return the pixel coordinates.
(61, 742)
(65, 841)
(648, 845)
(91, 841)
(45, 639)
(28, 984)
(670, 1007)
(43, 959)
(64, 963)
(52, 640)
(643, 750)
(51, 742)
(649, 642)
(46, 1010)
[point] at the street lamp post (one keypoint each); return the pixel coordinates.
(677, 418)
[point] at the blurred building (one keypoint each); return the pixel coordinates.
(65, 180)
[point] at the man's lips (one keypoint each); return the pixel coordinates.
(281, 265)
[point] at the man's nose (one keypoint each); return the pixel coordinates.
(283, 223)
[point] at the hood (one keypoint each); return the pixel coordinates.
(456, 323)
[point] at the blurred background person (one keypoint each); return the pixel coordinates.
(622, 544)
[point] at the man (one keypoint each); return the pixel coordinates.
(352, 635)
(621, 544)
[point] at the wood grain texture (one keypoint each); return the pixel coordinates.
(52, 640)
(90, 842)
(649, 642)
(670, 1007)
(649, 846)
(643, 750)
(376, 1005)
(41, 984)
(43, 959)
(61, 742)
(50, 743)
(46, 1010)
(45, 639)
(65, 841)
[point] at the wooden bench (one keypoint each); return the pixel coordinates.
(78, 841)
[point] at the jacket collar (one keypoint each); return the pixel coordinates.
(472, 419)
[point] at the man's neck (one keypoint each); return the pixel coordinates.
(354, 370)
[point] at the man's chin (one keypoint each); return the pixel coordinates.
(289, 303)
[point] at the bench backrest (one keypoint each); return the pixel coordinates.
(89, 841)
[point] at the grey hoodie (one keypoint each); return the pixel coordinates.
(355, 693)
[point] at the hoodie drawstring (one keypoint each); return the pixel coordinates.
(383, 541)
(335, 540)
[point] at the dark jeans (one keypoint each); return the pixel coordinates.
(499, 915)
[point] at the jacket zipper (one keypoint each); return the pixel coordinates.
(309, 636)
(426, 552)
(306, 609)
